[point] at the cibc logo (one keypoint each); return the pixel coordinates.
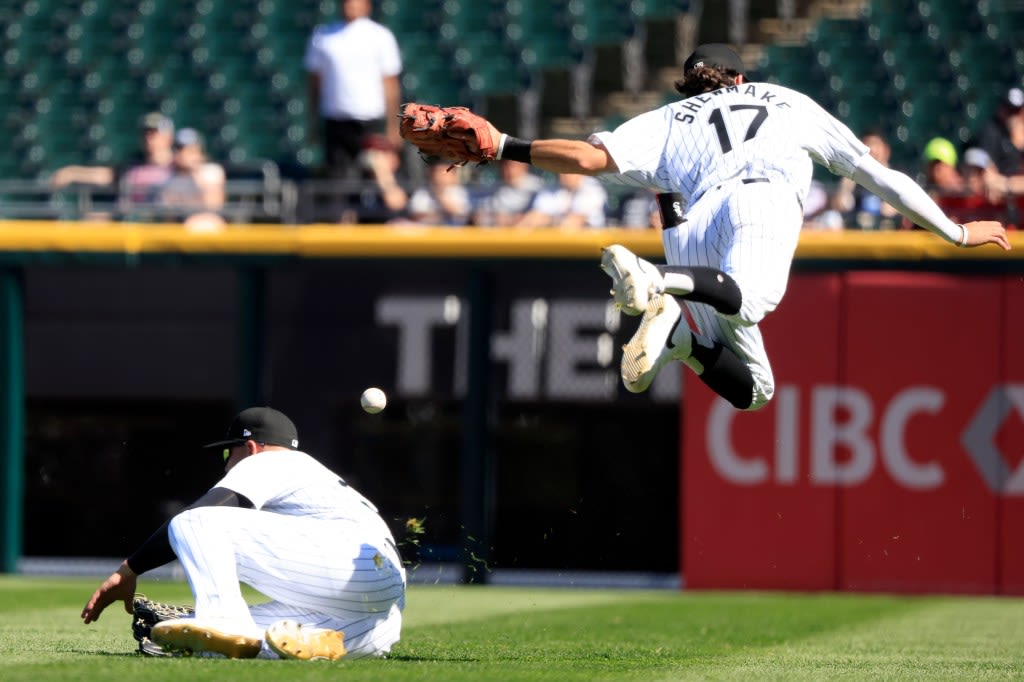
(1004, 402)
(779, 462)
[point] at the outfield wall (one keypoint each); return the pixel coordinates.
(892, 457)
(124, 346)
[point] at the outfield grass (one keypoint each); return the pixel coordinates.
(510, 634)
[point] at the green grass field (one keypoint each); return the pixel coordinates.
(509, 634)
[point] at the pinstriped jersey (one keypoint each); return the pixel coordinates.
(752, 130)
(293, 483)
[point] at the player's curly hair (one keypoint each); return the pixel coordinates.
(701, 79)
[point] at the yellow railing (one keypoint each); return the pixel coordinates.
(341, 241)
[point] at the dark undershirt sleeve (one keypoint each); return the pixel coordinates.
(156, 551)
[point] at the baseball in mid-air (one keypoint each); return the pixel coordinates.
(373, 400)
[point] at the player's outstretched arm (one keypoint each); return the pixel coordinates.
(554, 155)
(571, 156)
(910, 199)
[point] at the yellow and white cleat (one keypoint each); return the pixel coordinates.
(651, 347)
(289, 639)
(191, 636)
(634, 280)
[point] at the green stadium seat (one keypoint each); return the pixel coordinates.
(432, 81)
(851, 66)
(405, 16)
(470, 16)
(542, 31)
(653, 10)
(983, 66)
(490, 67)
(931, 111)
(954, 19)
(795, 66)
(1006, 17)
(915, 60)
(889, 20)
(863, 110)
(830, 31)
(601, 22)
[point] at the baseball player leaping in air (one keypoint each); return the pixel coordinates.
(284, 524)
(734, 161)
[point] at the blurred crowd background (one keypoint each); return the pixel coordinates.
(205, 111)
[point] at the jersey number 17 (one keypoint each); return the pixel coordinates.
(718, 120)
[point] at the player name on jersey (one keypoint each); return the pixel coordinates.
(757, 91)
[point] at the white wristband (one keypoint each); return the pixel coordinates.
(501, 146)
(963, 235)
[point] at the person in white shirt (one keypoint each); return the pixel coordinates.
(353, 66)
(575, 203)
(732, 163)
(290, 528)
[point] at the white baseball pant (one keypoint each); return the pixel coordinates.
(750, 232)
(325, 574)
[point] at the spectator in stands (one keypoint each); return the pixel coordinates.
(861, 209)
(138, 177)
(444, 200)
(819, 213)
(639, 211)
(978, 195)
(576, 202)
(509, 202)
(353, 66)
(1003, 136)
(382, 161)
(941, 175)
(196, 186)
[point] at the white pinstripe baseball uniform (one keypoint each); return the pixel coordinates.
(741, 157)
(314, 545)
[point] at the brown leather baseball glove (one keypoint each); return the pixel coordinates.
(452, 133)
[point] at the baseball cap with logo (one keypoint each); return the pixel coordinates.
(157, 121)
(263, 425)
(715, 54)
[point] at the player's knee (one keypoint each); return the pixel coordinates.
(753, 310)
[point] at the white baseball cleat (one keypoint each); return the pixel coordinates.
(193, 636)
(649, 350)
(289, 639)
(634, 280)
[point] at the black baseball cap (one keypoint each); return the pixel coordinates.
(715, 54)
(263, 425)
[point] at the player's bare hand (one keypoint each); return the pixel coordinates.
(119, 586)
(982, 232)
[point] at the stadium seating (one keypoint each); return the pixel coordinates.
(795, 66)
(653, 10)
(1006, 17)
(542, 32)
(76, 75)
(601, 22)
